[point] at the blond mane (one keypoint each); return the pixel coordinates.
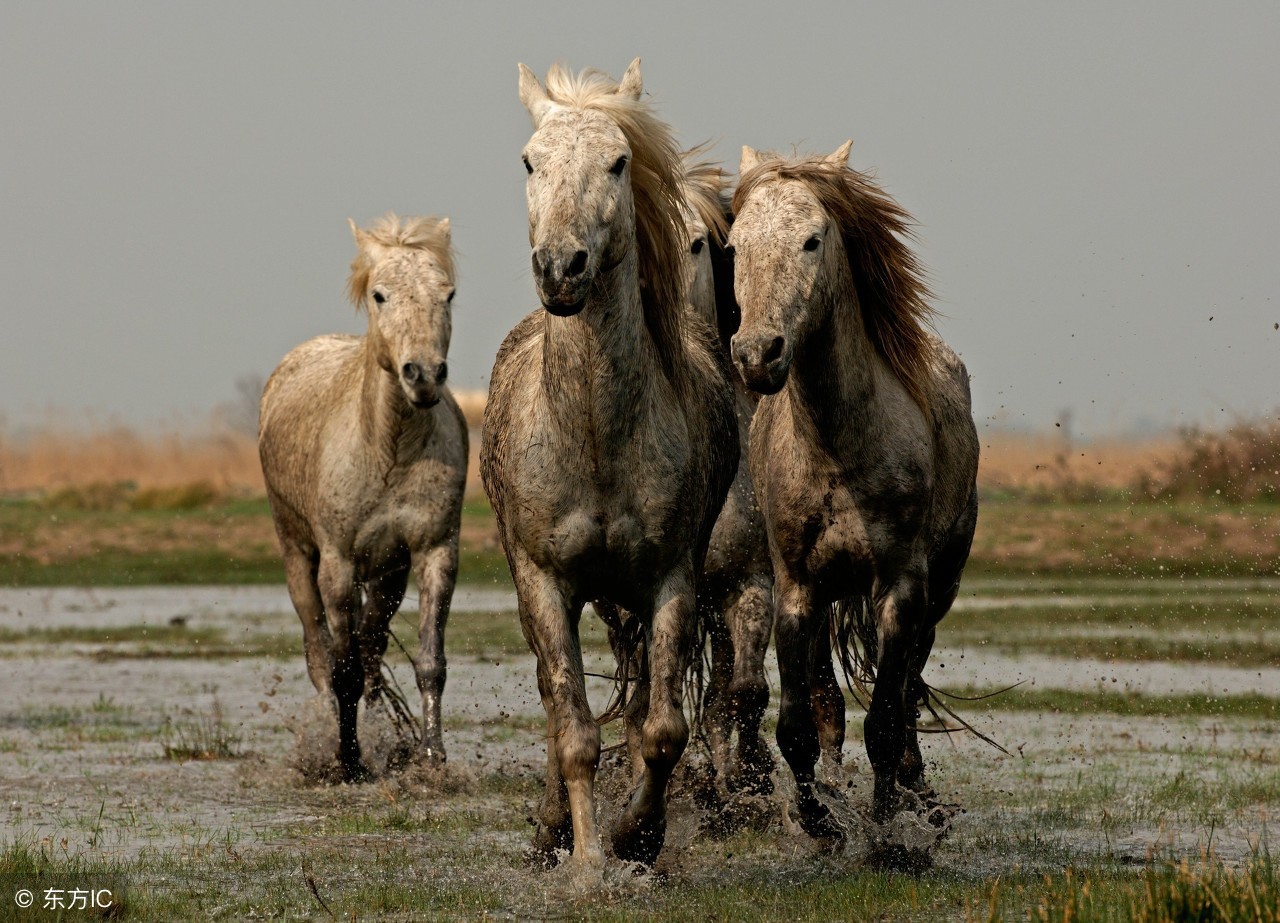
(888, 279)
(429, 233)
(704, 189)
(655, 188)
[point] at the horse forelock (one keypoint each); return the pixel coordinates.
(430, 234)
(656, 170)
(893, 296)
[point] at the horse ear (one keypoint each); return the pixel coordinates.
(446, 229)
(358, 234)
(533, 96)
(632, 83)
(750, 159)
(840, 157)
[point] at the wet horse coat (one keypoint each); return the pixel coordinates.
(608, 439)
(864, 452)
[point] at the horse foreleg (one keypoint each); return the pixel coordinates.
(898, 616)
(642, 828)
(342, 606)
(437, 571)
(795, 623)
(828, 699)
(552, 632)
(300, 575)
(750, 621)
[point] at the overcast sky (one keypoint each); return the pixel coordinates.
(1097, 185)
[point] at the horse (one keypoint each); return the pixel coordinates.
(735, 593)
(863, 452)
(364, 453)
(609, 441)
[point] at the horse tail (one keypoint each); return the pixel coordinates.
(856, 642)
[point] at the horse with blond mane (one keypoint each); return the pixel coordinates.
(864, 452)
(364, 453)
(609, 440)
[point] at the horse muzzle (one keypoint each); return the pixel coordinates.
(422, 383)
(562, 280)
(763, 361)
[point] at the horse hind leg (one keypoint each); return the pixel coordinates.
(750, 622)
(911, 769)
(640, 832)
(382, 597)
(716, 719)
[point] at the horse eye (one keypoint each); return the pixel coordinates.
(379, 297)
(528, 167)
(697, 247)
(812, 243)
(618, 166)
(449, 300)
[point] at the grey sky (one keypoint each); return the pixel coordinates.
(1093, 181)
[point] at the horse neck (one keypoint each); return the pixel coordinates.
(601, 360)
(834, 367)
(384, 410)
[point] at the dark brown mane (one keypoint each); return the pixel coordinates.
(888, 279)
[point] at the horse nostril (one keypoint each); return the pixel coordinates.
(442, 372)
(578, 265)
(412, 372)
(774, 352)
(539, 266)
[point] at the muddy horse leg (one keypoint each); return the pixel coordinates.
(437, 571)
(899, 613)
(640, 831)
(551, 629)
(382, 597)
(717, 717)
(342, 608)
(827, 698)
(911, 769)
(795, 624)
(300, 575)
(750, 622)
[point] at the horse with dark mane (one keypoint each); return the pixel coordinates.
(863, 452)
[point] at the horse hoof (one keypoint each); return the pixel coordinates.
(432, 757)
(817, 820)
(356, 773)
(638, 841)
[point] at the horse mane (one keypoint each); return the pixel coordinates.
(656, 169)
(888, 279)
(428, 233)
(705, 190)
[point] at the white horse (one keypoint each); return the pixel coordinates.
(364, 453)
(864, 452)
(609, 439)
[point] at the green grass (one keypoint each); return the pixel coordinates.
(1119, 703)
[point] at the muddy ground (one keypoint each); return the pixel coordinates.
(110, 695)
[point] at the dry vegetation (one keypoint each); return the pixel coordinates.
(1241, 463)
